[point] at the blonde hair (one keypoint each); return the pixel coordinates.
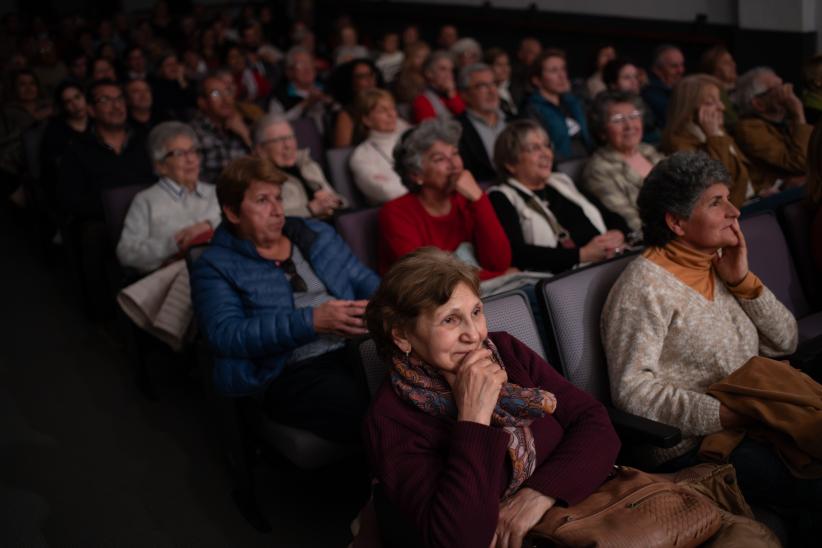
(366, 102)
(685, 101)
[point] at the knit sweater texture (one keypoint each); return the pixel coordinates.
(666, 344)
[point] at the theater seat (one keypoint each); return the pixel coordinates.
(359, 230)
(341, 177)
(116, 202)
(572, 168)
(796, 218)
(308, 136)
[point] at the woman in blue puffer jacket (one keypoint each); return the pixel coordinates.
(276, 298)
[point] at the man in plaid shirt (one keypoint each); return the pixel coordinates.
(222, 132)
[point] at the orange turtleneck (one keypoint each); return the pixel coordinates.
(695, 269)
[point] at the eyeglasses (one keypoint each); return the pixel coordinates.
(290, 269)
(281, 139)
(482, 86)
(623, 118)
(106, 99)
(179, 153)
(216, 94)
(530, 148)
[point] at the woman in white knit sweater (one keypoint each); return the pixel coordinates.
(687, 313)
(372, 162)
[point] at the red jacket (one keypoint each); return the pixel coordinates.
(422, 109)
(447, 477)
(406, 226)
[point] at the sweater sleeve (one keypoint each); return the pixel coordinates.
(778, 332)
(137, 248)
(635, 323)
(377, 182)
(450, 493)
(490, 241)
(589, 446)
(421, 109)
(527, 256)
(399, 234)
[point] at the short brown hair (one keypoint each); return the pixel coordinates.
(535, 70)
(508, 145)
(417, 283)
(238, 176)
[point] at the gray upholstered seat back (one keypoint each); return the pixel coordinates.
(574, 304)
(359, 230)
(341, 177)
(573, 169)
(509, 312)
(116, 202)
(308, 136)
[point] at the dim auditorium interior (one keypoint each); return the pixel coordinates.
(123, 424)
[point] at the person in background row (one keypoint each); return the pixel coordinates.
(71, 122)
(135, 64)
(695, 123)
(390, 58)
(622, 75)
(528, 51)
(498, 60)
(444, 207)
(458, 460)
(465, 51)
(553, 106)
(772, 130)
(140, 103)
(447, 36)
(302, 95)
(78, 63)
(812, 88)
(178, 211)
(276, 297)
(349, 47)
(439, 99)
(410, 81)
(594, 84)
(220, 128)
(372, 162)
(410, 36)
(667, 69)
(250, 112)
(345, 84)
(305, 191)
(552, 227)
(482, 121)
(616, 170)
(250, 83)
(719, 63)
(102, 69)
(814, 194)
(48, 67)
(174, 96)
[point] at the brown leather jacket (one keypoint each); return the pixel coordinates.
(776, 151)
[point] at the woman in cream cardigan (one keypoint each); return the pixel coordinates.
(552, 227)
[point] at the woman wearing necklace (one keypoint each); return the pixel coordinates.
(276, 298)
(372, 163)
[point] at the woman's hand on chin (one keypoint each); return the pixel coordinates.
(732, 266)
(467, 186)
(476, 385)
(517, 515)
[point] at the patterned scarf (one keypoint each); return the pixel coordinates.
(424, 387)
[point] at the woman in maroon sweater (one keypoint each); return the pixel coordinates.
(474, 437)
(445, 207)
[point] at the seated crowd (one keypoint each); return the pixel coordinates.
(480, 169)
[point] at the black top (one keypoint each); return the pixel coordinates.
(569, 215)
(472, 151)
(57, 138)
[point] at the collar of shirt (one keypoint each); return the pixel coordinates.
(477, 119)
(99, 140)
(178, 191)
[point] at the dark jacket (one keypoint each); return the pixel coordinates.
(245, 304)
(656, 95)
(474, 157)
(553, 117)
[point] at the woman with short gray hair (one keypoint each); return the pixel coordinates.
(445, 207)
(439, 99)
(686, 314)
(616, 170)
(178, 211)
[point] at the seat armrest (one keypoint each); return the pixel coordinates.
(636, 429)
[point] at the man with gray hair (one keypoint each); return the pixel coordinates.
(667, 69)
(301, 96)
(482, 121)
(772, 130)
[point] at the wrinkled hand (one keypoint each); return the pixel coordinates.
(344, 318)
(324, 203)
(467, 186)
(732, 267)
(517, 515)
(185, 236)
(602, 247)
(476, 385)
(792, 103)
(710, 119)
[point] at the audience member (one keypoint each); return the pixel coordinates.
(772, 131)
(78, 66)
(250, 83)
(553, 105)
(594, 84)
(439, 99)
(220, 128)
(410, 36)
(617, 169)
(695, 123)
(465, 52)
(102, 69)
(349, 48)
(497, 59)
(445, 207)
(411, 81)
(178, 211)
(48, 67)
(276, 297)
(552, 227)
(439, 433)
(719, 63)
(622, 75)
(482, 121)
(250, 112)
(71, 122)
(528, 51)
(372, 162)
(666, 70)
(390, 57)
(447, 36)
(812, 88)
(174, 96)
(302, 96)
(305, 191)
(345, 84)
(135, 64)
(140, 105)
(684, 316)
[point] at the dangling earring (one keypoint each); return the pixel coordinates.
(407, 353)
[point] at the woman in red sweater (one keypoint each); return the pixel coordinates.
(445, 207)
(439, 99)
(474, 436)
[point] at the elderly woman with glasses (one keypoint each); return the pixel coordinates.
(552, 227)
(473, 436)
(178, 211)
(615, 171)
(277, 297)
(306, 192)
(445, 207)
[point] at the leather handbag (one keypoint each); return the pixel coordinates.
(632, 508)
